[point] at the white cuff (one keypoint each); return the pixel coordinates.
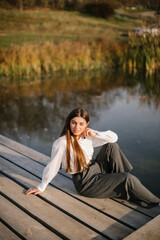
(42, 187)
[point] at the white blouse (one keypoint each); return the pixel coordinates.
(58, 154)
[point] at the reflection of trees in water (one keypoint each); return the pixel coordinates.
(39, 113)
(43, 106)
(146, 89)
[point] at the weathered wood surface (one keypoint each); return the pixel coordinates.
(79, 210)
(59, 212)
(56, 219)
(18, 147)
(43, 159)
(6, 233)
(22, 222)
(135, 219)
(150, 231)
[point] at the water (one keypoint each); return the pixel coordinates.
(34, 113)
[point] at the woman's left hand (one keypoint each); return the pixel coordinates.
(88, 133)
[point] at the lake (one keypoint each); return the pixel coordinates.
(33, 113)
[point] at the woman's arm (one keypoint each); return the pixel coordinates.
(101, 138)
(52, 167)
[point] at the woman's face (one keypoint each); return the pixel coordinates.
(78, 125)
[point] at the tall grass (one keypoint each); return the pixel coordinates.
(143, 53)
(32, 60)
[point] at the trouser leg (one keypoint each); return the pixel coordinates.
(111, 159)
(136, 191)
(118, 185)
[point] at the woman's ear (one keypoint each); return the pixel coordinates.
(87, 124)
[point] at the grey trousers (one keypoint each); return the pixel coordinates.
(108, 176)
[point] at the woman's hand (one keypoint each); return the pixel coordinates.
(88, 133)
(35, 191)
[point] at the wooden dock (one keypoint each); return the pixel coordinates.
(60, 212)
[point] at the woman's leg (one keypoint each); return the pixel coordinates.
(137, 192)
(112, 160)
(118, 182)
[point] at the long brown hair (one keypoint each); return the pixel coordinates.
(79, 158)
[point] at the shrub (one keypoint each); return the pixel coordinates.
(99, 9)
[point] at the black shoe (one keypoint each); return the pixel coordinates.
(149, 205)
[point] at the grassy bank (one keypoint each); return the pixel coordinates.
(35, 43)
(32, 60)
(32, 26)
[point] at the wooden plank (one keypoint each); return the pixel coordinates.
(46, 213)
(150, 231)
(39, 157)
(125, 214)
(152, 212)
(81, 211)
(23, 223)
(107, 206)
(6, 233)
(31, 153)
(112, 208)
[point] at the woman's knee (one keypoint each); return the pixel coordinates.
(112, 145)
(109, 147)
(131, 180)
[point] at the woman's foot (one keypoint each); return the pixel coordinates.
(149, 205)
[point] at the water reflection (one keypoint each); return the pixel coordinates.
(34, 113)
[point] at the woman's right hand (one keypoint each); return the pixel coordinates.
(35, 191)
(88, 133)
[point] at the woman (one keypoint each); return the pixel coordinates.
(106, 176)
